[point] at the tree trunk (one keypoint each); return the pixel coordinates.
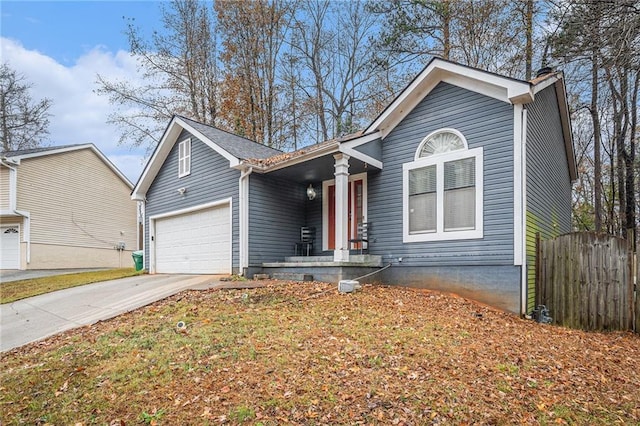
(529, 40)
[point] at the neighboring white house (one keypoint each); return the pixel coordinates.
(64, 207)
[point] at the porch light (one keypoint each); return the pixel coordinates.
(311, 193)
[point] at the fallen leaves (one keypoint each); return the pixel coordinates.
(302, 353)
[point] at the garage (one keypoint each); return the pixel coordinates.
(9, 247)
(197, 242)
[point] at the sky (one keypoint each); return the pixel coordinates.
(60, 47)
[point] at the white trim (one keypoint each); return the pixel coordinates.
(436, 132)
(493, 85)
(523, 230)
(243, 184)
(311, 155)
(184, 159)
(361, 140)
(169, 138)
(341, 250)
(545, 83)
(26, 232)
(152, 228)
(517, 184)
(441, 234)
(325, 205)
(360, 156)
(233, 160)
(482, 87)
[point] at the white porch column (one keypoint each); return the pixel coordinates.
(341, 251)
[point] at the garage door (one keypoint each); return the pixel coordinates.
(9, 247)
(194, 243)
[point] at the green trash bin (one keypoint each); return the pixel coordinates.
(138, 257)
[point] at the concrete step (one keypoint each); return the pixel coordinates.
(307, 259)
(292, 276)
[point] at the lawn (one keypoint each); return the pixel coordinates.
(16, 290)
(292, 353)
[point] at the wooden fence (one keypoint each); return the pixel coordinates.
(586, 281)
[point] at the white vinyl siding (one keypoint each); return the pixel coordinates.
(75, 199)
(4, 188)
(184, 158)
(442, 197)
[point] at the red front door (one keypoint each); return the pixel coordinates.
(356, 210)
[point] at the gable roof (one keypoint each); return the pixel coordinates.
(239, 147)
(232, 147)
(497, 86)
(241, 151)
(438, 70)
(24, 154)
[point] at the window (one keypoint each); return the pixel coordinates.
(443, 195)
(184, 158)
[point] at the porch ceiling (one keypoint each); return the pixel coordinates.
(318, 169)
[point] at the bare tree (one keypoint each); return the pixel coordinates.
(23, 123)
(253, 33)
(332, 42)
(180, 72)
(602, 37)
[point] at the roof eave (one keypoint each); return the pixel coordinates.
(160, 154)
(18, 158)
(438, 70)
(565, 119)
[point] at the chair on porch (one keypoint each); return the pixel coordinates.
(305, 245)
(362, 236)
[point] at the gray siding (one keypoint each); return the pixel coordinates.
(372, 149)
(276, 213)
(210, 180)
(548, 181)
(313, 211)
(485, 122)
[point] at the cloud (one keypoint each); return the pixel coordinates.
(79, 114)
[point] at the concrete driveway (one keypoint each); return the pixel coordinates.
(35, 318)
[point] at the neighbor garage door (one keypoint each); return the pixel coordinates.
(9, 247)
(194, 243)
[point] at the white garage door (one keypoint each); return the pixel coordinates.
(9, 247)
(194, 243)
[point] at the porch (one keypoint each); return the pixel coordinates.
(321, 268)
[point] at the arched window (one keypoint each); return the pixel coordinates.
(443, 189)
(441, 142)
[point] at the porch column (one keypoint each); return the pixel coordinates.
(341, 251)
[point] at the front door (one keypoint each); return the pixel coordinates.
(357, 208)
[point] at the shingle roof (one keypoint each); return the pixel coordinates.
(36, 150)
(235, 145)
(286, 156)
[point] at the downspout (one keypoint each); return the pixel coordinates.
(244, 218)
(523, 253)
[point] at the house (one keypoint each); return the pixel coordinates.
(455, 178)
(65, 207)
